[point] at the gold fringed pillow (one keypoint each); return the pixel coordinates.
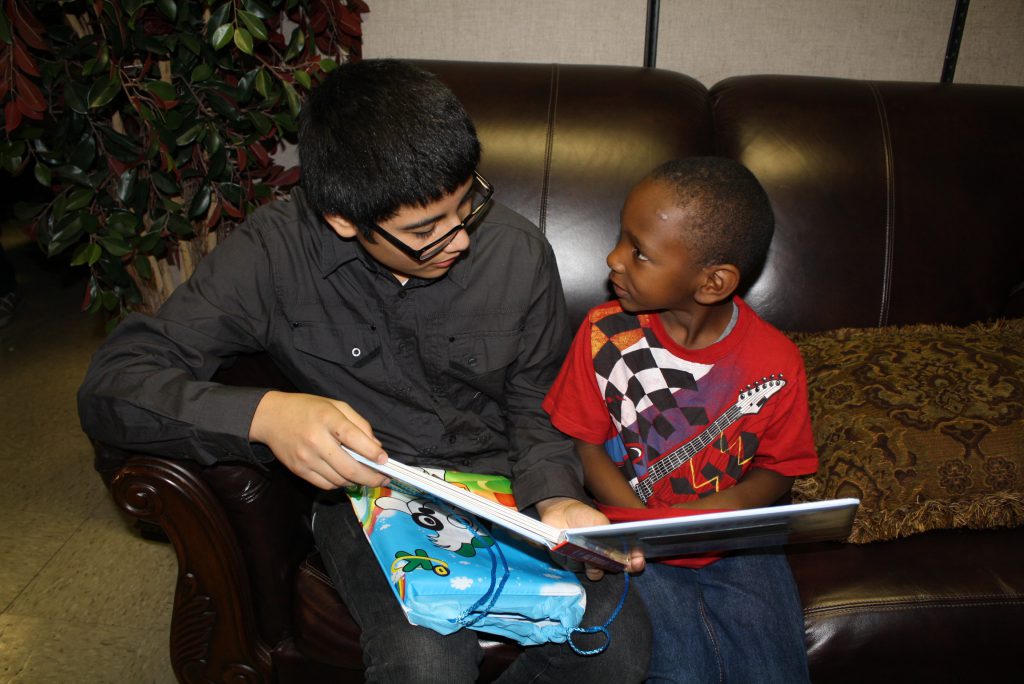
(924, 424)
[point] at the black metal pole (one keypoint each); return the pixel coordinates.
(651, 34)
(956, 33)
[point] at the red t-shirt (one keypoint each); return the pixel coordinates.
(682, 424)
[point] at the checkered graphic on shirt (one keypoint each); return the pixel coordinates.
(638, 377)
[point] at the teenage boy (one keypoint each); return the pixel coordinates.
(400, 337)
(682, 369)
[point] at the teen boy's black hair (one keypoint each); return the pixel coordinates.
(731, 218)
(377, 135)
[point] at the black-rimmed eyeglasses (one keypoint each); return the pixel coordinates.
(476, 200)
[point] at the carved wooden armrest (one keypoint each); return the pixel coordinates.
(213, 631)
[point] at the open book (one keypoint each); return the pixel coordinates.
(608, 546)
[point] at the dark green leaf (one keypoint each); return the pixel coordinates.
(201, 73)
(142, 267)
(220, 15)
(200, 203)
(165, 91)
(66, 236)
(243, 40)
(126, 184)
(218, 162)
(259, 9)
(43, 174)
(149, 242)
(115, 245)
(253, 23)
(264, 82)
(169, 8)
(222, 36)
(109, 300)
(123, 222)
(84, 153)
(78, 199)
(261, 121)
(189, 135)
(119, 146)
(179, 225)
(295, 44)
(103, 91)
(286, 122)
(192, 44)
(94, 253)
(84, 253)
(76, 96)
(165, 183)
(294, 103)
(232, 191)
(328, 65)
(303, 79)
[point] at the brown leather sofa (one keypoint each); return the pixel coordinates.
(895, 203)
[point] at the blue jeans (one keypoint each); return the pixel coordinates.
(396, 651)
(737, 620)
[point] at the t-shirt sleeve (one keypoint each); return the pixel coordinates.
(574, 402)
(787, 445)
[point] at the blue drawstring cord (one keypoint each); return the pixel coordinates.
(493, 593)
(603, 629)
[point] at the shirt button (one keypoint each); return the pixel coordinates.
(357, 352)
(471, 360)
(452, 439)
(402, 294)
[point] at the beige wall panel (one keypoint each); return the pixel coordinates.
(992, 50)
(899, 40)
(712, 39)
(567, 31)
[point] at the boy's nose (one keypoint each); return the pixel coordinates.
(459, 243)
(613, 260)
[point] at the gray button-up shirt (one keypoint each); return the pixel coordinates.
(449, 372)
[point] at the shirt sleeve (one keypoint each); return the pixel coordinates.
(787, 444)
(574, 402)
(544, 461)
(148, 386)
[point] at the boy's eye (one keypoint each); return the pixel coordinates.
(639, 256)
(424, 233)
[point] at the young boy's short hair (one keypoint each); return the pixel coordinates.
(732, 220)
(378, 135)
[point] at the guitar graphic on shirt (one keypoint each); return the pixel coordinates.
(750, 401)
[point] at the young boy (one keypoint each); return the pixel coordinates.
(679, 396)
(364, 291)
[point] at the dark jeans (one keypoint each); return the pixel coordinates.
(396, 651)
(737, 620)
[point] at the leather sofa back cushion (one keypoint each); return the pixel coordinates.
(923, 423)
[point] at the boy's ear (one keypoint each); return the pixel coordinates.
(719, 282)
(341, 225)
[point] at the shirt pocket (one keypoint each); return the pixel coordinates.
(351, 346)
(482, 359)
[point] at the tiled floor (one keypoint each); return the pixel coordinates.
(83, 597)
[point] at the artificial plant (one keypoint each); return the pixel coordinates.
(155, 124)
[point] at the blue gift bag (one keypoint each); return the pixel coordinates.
(449, 571)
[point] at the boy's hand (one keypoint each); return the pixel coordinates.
(304, 432)
(565, 512)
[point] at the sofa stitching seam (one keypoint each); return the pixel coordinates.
(890, 206)
(549, 145)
